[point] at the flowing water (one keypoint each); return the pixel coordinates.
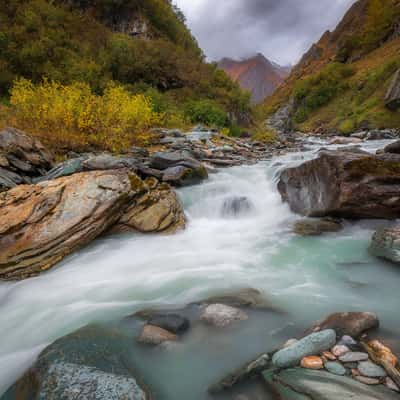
(116, 276)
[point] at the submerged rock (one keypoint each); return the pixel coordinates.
(174, 323)
(155, 335)
(353, 324)
(93, 363)
(246, 372)
(301, 383)
(348, 184)
(386, 244)
(312, 344)
(22, 158)
(236, 206)
(221, 315)
(315, 227)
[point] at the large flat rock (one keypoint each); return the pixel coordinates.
(303, 384)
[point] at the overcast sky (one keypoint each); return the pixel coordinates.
(280, 29)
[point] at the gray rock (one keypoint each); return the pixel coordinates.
(382, 134)
(183, 176)
(335, 367)
(371, 370)
(94, 363)
(301, 384)
(353, 356)
(393, 148)
(174, 323)
(312, 344)
(386, 244)
(221, 315)
(367, 381)
(67, 381)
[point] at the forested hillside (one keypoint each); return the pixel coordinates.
(130, 50)
(341, 82)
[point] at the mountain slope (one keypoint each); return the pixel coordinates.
(340, 83)
(256, 74)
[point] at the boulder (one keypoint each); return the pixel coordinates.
(381, 134)
(392, 98)
(41, 224)
(183, 176)
(349, 184)
(315, 227)
(310, 345)
(386, 244)
(393, 148)
(245, 372)
(154, 335)
(157, 210)
(73, 367)
(236, 206)
(221, 315)
(353, 324)
(174, 323)
(301, 383)
(90, 162)
(21, 158)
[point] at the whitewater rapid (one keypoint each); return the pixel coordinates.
(116, 276)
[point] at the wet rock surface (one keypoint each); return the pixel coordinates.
(41, 224)
(348, 184)
(94, 363)
(316, 227)
(386, 244)
(221, 315)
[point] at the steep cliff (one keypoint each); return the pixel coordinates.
(340, 84)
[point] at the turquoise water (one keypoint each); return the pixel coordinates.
(116, 276)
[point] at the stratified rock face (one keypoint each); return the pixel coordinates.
(386, 244)
(21, 158)
(301, 383)
(155, 211)
(392, 98)
(92, 364)
(41, 224)
(349, 184)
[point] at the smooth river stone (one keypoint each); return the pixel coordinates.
(221, 315)
(312, 344)
(353, 357)
(340, 350)
(335, 368)
(312, 362)
(371, 370)
(367, 381)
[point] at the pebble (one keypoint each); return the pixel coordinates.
(371, 370)
(391, 385)
(335, 368)
(353, 357)
(340, 350)
(367, 381)
(312, 362)
(347, 341)
(329, 356)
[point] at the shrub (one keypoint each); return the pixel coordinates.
(74, 113)
(206, 112)
(318, 90)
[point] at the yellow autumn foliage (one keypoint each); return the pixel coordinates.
(74, 114)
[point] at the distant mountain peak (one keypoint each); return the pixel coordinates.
(256, 73)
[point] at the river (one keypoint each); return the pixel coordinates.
(306, 277)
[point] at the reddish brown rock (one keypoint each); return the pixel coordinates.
(154, 335)
(312, 362)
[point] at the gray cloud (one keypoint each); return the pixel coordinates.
(280, 29)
